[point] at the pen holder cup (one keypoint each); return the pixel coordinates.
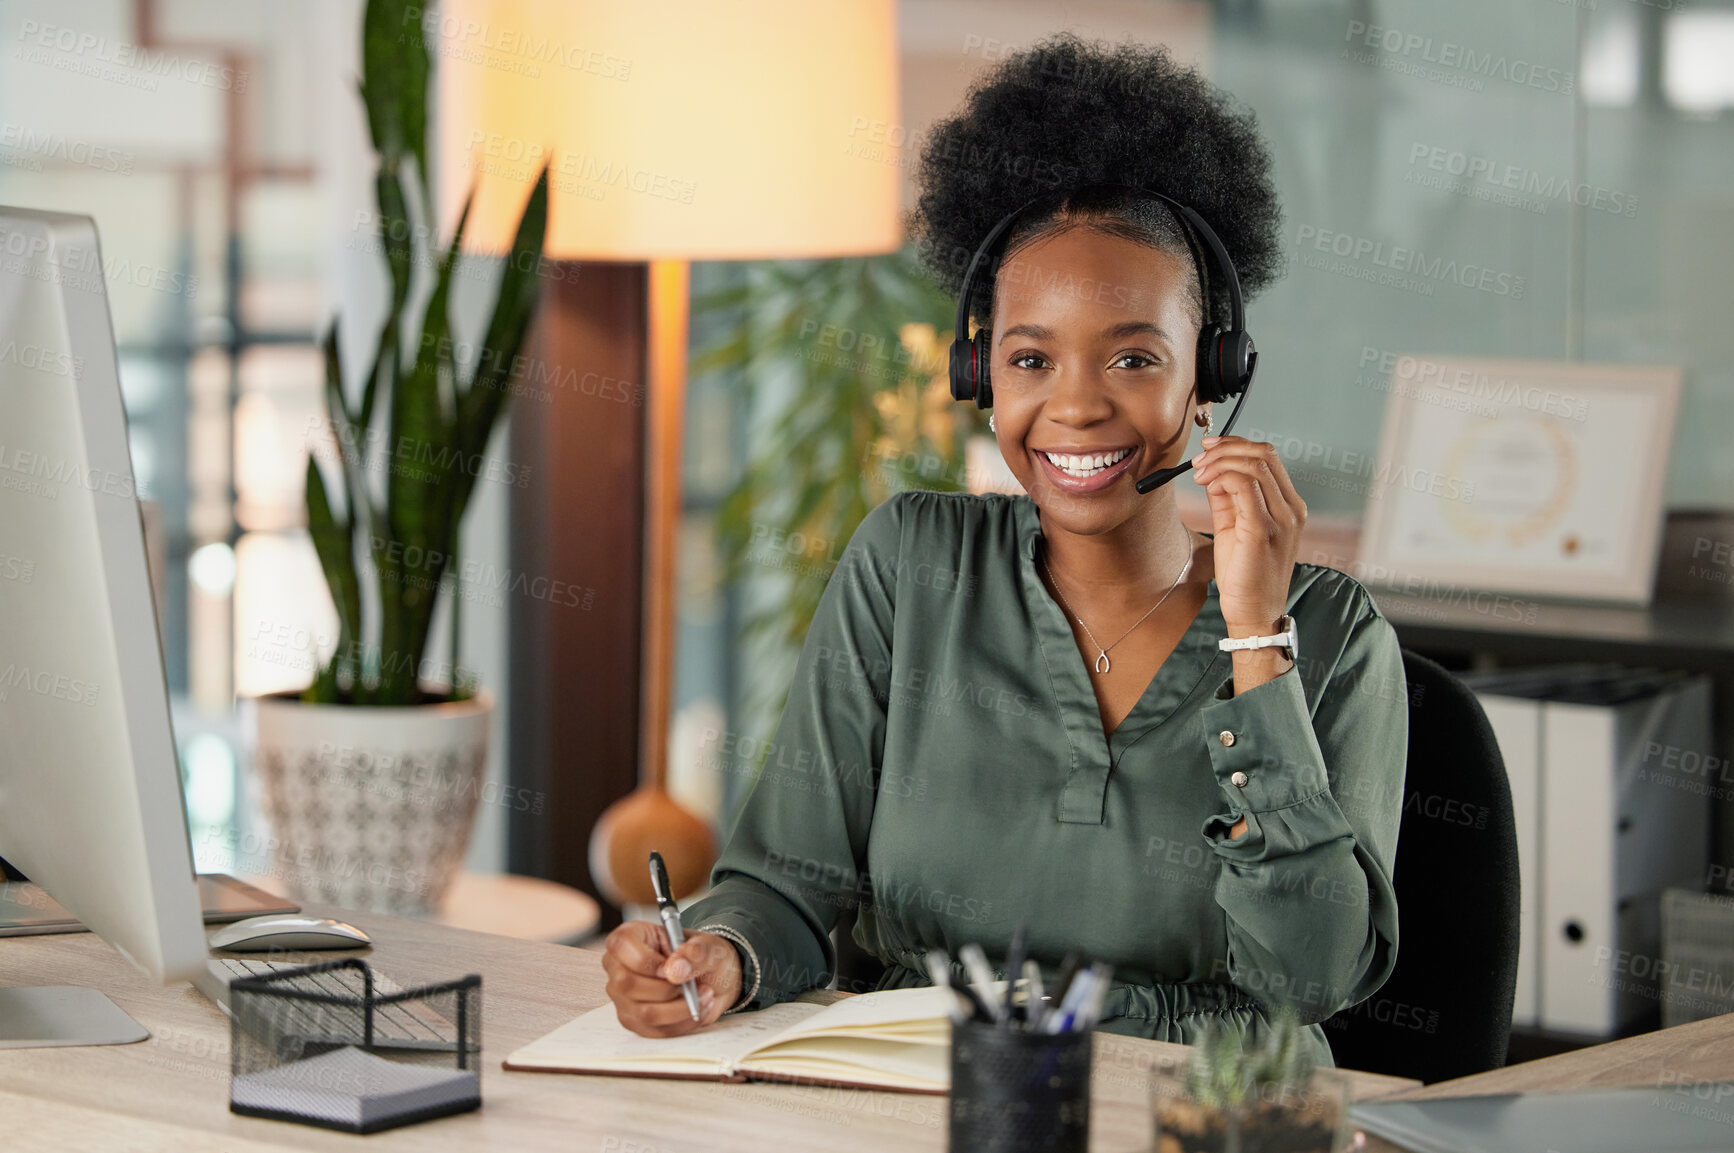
(1013, 1091)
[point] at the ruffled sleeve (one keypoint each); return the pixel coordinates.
(1306, 888)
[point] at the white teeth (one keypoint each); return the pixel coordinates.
(1083, 466)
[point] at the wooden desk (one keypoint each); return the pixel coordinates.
(1701, 1051)
(171, 1093)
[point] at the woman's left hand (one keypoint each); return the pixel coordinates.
(1257, 517)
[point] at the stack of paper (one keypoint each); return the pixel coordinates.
(354, 1090)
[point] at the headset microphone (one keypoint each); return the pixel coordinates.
(1163, 475)
(1226, 356)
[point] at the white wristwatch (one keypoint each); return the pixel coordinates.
(1288, 640)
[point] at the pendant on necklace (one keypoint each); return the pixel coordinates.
(1102, 664)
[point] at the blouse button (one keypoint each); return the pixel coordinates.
(1225, 737)
(1239, 779)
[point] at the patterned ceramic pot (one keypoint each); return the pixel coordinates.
(370, 808)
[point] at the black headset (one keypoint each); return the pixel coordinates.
(1226, 356)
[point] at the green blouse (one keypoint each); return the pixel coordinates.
(941, 765)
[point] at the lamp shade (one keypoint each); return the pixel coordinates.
(684, 129)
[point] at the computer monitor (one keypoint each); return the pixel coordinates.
(90, 794)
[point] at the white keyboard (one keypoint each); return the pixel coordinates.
(402, 1025)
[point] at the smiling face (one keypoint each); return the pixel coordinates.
(1094, 340)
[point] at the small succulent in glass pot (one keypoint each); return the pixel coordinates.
(1231, 1096)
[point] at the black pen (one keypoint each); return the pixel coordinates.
(670, 914)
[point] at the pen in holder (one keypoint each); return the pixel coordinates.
(1015, 1090)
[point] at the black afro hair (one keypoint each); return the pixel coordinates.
(1064, 113)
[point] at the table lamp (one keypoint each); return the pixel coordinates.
(678, 131)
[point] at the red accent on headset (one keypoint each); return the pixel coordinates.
(974, 368)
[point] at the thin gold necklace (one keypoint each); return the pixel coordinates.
(1103, 664)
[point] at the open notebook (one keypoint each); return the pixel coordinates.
(896, 1039)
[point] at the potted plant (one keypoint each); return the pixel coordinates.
(1229, 1097)
(371, 775)
(843, 360)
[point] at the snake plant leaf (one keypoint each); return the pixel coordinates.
(396, 233)
(520, 280)
(394, 77)
(350, 434)
(413, 531)
(334, 377)
(426, 464)
(394, 61)
(387, 560)
(420, 474)
(439, 305)
(423, 414)
(414, 81)
(333, 542)
(386, 366)
(520, 288)
(449, 258)
(418, 451)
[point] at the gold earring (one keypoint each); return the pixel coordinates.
(990, 425)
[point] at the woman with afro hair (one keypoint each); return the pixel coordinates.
(1014, 709)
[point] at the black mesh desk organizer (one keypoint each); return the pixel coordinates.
(320, 1045)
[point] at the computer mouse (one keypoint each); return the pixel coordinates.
(287, 931)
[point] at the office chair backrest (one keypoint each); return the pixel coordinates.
(1445, 1011)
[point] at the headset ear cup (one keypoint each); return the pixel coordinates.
(983, 379)
(1238, 357)
(962, 371)
(1209, 368)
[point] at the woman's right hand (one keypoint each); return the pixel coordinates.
(644, 978)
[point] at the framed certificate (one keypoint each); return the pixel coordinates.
(1538, 477)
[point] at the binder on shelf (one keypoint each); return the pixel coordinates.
(1512, 700)
(1620, 823)
(1600, 759)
